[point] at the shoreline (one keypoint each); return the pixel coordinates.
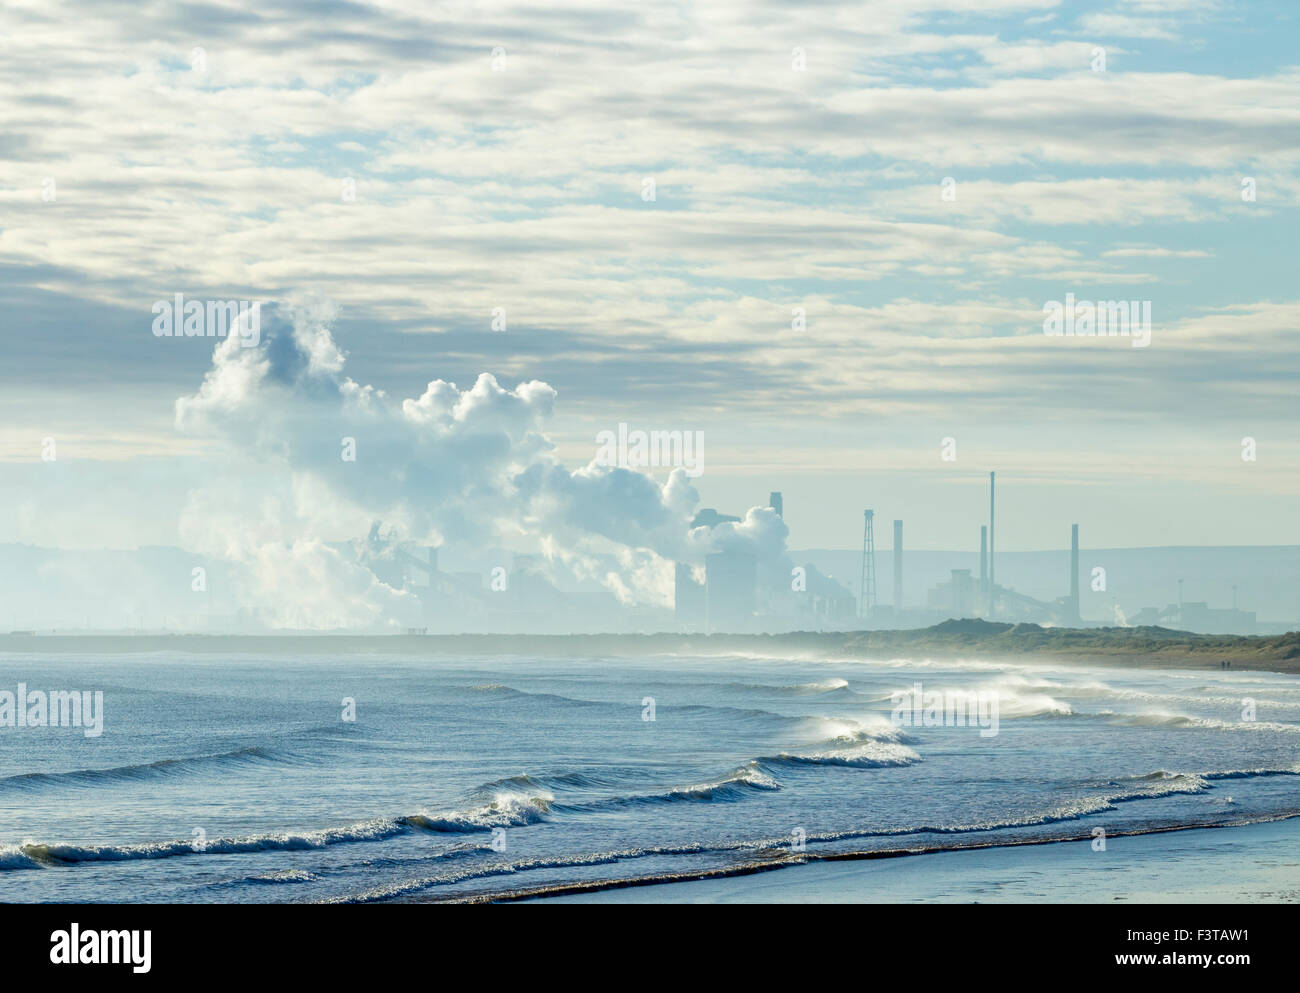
(1229, 862)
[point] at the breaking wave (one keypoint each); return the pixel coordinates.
(1167, 719)
(144, 771)
(851, 743)
(516, 802)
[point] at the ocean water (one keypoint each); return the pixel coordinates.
(236, 779)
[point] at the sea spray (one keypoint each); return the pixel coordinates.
(954, 708)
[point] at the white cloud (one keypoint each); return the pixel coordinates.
(467, 466)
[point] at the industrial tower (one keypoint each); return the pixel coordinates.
(898, 566)
(867, 588)
(993, 586)
(1075, 616)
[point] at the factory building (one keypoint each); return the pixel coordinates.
(1198, 617)
(957, 597)
(729, 589)
(727, 599)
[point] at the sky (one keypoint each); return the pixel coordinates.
(820, 235)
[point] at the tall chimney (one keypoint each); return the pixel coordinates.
(898, 565)
(1074, 572)
(992, 581)
(984, 558)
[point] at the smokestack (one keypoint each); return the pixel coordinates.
(984, 558)
(1074, 571)
(992, 581)
(774, 501)
(898, 565)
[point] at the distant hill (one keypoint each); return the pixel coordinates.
(972, 634)
(966, 637)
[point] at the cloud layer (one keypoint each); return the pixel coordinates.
(430, 166)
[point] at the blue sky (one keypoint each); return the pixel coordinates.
(218, 174)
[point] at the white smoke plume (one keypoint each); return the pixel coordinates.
(450, 466)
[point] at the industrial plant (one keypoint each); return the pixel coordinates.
(726, 589)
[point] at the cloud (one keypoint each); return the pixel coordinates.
(321, 454)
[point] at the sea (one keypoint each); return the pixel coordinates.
(370, 778)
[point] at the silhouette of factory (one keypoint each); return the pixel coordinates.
(493, 590)
(733, 592)
(728, 595)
